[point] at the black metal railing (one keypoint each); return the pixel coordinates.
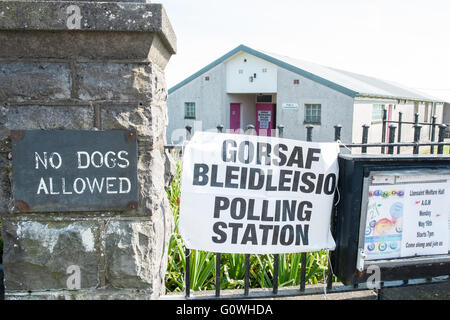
(388, 146)
(417, 129)
(390, 139)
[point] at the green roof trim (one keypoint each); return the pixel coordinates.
(205, 69)
(270, 59)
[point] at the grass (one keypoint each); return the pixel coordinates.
(232, 271)
(427, 151)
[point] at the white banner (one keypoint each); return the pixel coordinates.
(257, 195)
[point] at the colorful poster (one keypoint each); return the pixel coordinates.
(384, 223)
(407, 217)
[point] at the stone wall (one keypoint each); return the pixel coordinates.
(106, 74)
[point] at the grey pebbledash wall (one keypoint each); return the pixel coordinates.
(86, 66)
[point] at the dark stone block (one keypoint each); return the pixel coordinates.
(37, 255)
(24, 81)
(92, 16)
(114, 81)
(46, 117)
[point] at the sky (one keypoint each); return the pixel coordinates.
(405, 41)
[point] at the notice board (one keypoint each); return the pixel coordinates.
(392, 215)
(407, 215)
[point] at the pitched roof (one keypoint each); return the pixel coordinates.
(351, 84)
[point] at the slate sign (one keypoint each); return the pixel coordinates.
(70, 170)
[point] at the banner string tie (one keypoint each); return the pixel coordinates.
(345, 146)
(331, 275)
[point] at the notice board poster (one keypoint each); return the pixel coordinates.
(257, 195)
(407, 216)
(264, 118)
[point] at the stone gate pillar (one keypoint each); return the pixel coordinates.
(86, 65)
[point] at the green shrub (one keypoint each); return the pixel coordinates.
(232, 271)
(427, 150)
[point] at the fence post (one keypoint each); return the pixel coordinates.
(303, 273)
(433, 132)
(383, 133)
(365, 137)
(218, 255)
(441, 137)
(330, 272)
(250, 130)
(188, 132)
(337, 137)
(187, 277)
(309, 130)
(399, 134)
(218, 274)
(416, 118)
(187, 252)
(416, 124)
(391, 138)
(247, 275)
(337, 132)
(276, 262)
(276, 257)
(280, 131)
(417, 128)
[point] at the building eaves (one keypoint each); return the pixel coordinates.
(280, 63)
(348, 83)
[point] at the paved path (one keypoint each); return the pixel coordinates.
(434, 291)
(437, 291)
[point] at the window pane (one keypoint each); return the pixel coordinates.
(189, 110)
(377, 112)
(264, 98)
(313, 113)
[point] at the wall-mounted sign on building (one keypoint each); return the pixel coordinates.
(250, 194)
(68, 170)
(290, 106)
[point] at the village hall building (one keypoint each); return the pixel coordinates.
(251, 87)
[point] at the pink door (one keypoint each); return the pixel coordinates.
(235, 117)
(264, 119)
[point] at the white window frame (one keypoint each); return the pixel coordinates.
(377, 112)
(311, 118)
(189, 110)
